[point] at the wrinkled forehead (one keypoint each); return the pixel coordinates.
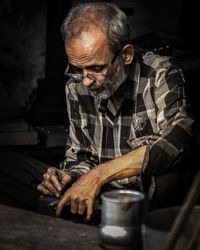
(92, 43)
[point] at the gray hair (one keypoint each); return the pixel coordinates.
(105, 16)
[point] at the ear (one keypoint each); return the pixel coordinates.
(127, 54)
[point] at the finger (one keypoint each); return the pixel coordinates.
(51, 182)
(65, 180)
(48, 185)
(53, 175)
(52, 171)
(46, 176)
(74, 206)
(65, 199)
(81, 207)
(89, 210)
(43, 190)
(56, 183)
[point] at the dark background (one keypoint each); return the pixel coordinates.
(32, 59)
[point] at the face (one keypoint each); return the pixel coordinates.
(90, 53)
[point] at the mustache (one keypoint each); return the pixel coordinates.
(104, 85)
(108, 86)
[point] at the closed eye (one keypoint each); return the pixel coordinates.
(96, 68)
(93, 69)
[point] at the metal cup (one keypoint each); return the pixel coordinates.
(121, 215)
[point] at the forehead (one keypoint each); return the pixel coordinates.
(91, 45)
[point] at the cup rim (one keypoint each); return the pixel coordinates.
(107, 196)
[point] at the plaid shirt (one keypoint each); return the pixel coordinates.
(153, 113)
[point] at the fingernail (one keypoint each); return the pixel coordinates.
(57, 195)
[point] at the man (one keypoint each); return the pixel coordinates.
(129, 123)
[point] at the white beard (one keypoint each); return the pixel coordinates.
(110, 86)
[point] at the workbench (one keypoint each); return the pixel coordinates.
(23, 229)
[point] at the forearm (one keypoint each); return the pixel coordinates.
(84, 191)
(119, 168)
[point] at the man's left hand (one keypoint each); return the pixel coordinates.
(81, 195)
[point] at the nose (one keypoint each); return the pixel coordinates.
(86, 80)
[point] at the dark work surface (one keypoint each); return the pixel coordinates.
(21, 229)
(47, 205)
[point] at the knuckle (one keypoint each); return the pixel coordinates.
(76, 198)
(65, 176)
(59, 206)
(52, 177)
(50, 170)
(39, 187)
(45, 182)
(87, 202)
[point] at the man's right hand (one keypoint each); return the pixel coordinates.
(54, 180)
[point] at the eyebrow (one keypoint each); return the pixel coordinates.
(87, 67)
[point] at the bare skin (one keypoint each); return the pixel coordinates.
(88, 52)
(91, 53)
(54, 180)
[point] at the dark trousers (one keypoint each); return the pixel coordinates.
(19, 177)
(171, 188)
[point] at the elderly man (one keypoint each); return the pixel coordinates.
(129, 123)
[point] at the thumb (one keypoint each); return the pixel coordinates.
(66, 178)
(65, 181)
